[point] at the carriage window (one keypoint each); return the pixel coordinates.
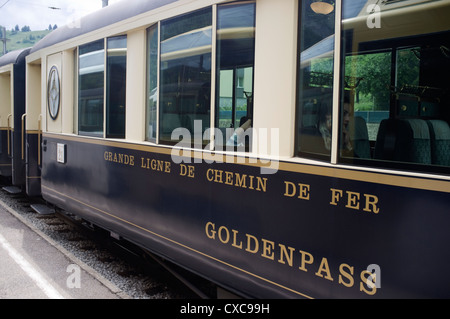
(116, 86)
(235, 60)
(152, 82)
(395, 108)
(315, 92)
(91, 65)
(366, 101)
(185, 78)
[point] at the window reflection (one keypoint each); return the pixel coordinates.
(315, 82)
(398, 97)
(91, 67)
(152, 82)
(185, 83)
(235, 60)
(116, 87)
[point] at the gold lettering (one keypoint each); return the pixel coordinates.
(210, 230)
(208, 175)
(348, 275)
(286, 255)
(365, 280)
(283, 252)
(227, 234)
(352, 200)
(290, 189)
(218, 176)
(152, 164)
(167, 169)
(240, 180)
(235, 232)
(371, 202)
(267, 250)
(119, 158)
(186, 170)
(324, 267)
(305, 261)
(229, 178)
(336, 194)
(262, 184)
(251, 181)
(255, 240)
(235, 179)
(303, 191)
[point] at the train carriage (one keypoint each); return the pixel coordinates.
(284, 149)
(12, 110)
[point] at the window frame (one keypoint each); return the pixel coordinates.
(332, 158)
(104, 133)
(337, 159)
(154, 139)
(213, 83)
(79, 106)
(107, 107)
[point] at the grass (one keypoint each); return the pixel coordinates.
(20, 40)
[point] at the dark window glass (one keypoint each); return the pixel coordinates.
(152, 82)
(116, 87)
(315, 85)
(395, 96)
(366, 103)
(185, 78)
(235, 62)
(91, 65)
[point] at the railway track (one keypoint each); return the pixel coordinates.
(138, 273)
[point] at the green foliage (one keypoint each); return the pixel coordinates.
(20, 40)
(375, 71)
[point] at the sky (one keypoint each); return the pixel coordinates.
(38, 14)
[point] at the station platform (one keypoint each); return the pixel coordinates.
(32, 266)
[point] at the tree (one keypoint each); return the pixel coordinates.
(375, 71)
(25, 28)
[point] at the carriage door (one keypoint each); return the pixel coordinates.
(33, 131)
(53, 92)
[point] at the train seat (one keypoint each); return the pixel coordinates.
(404, 140)
(360, 137)
(440, 142)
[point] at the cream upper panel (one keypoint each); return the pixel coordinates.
(116, 19)
(275, 75)
(5, 96)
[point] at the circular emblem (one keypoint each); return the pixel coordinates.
(53, 91)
